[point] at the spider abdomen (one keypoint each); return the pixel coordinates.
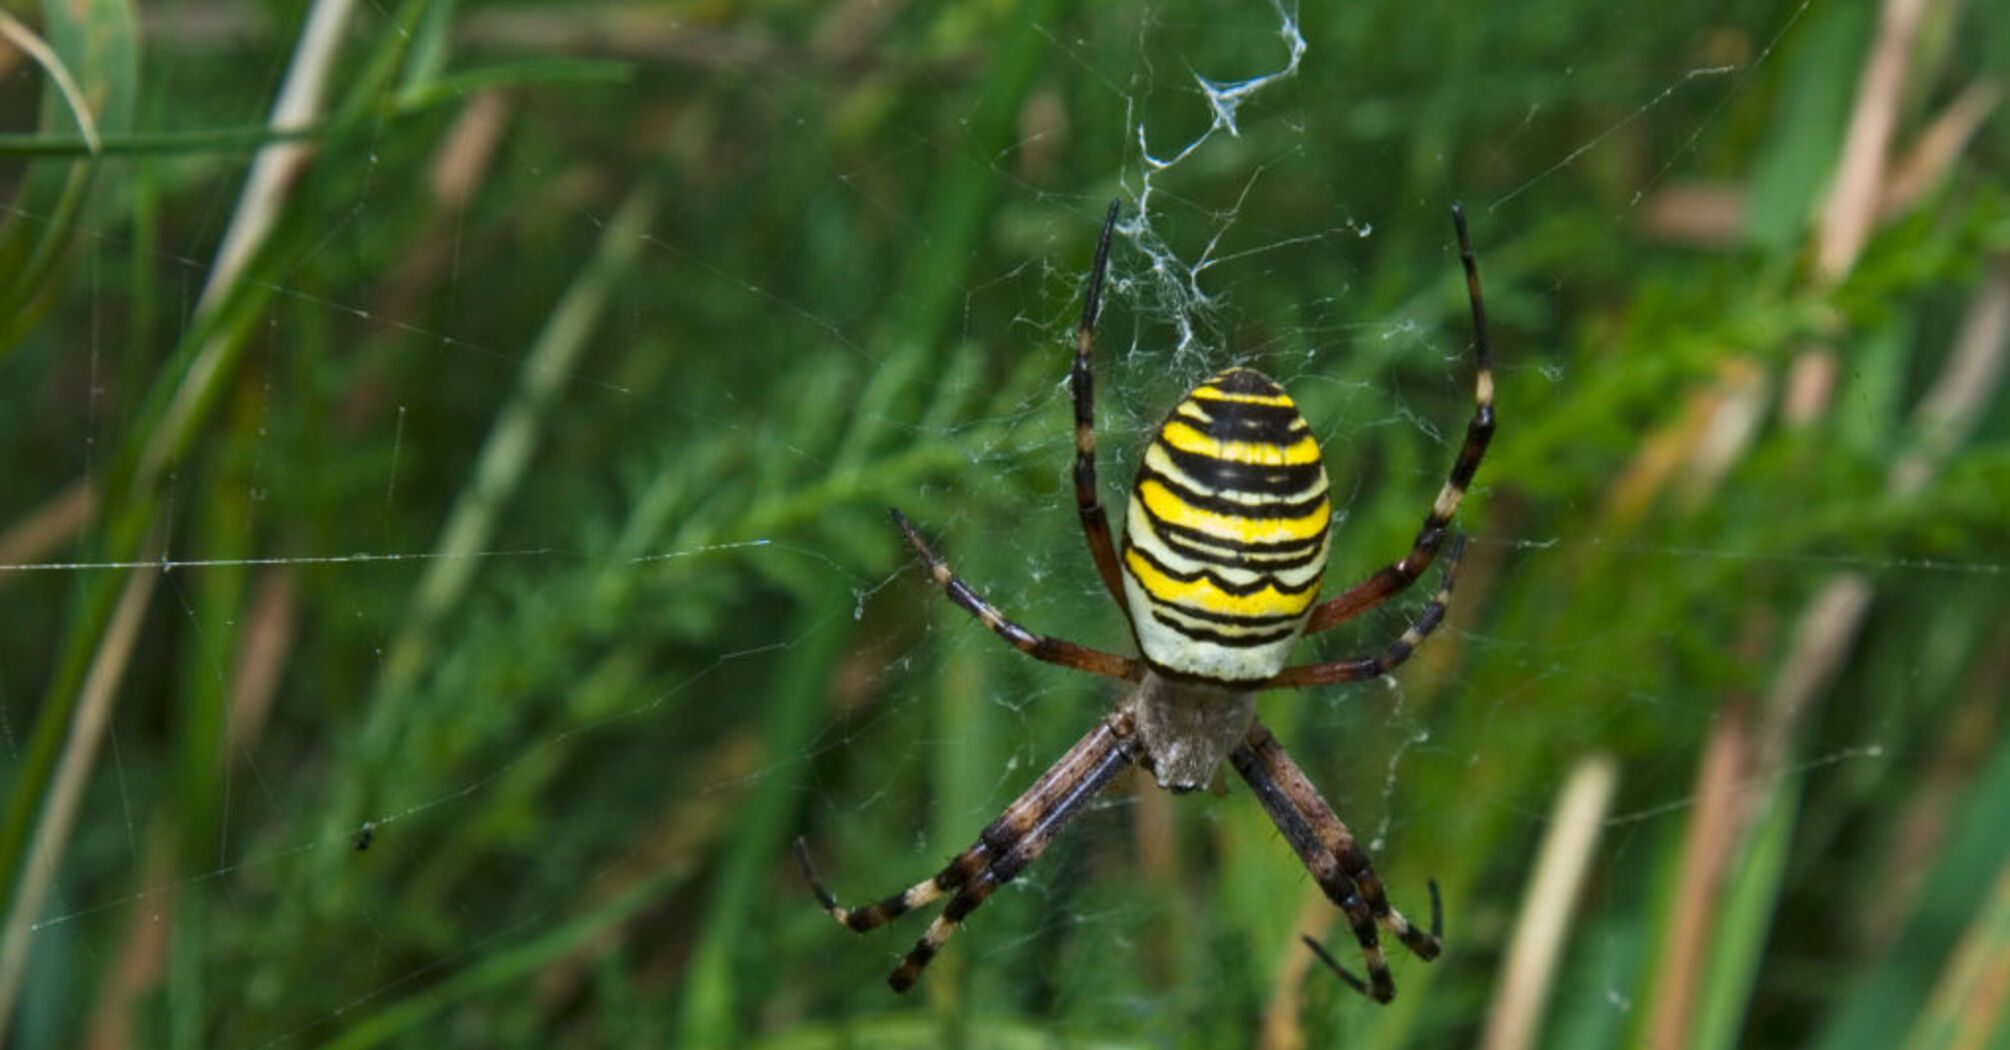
(1226, 534)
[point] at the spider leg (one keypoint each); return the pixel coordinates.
(1038, 646)
(1342, 972)
(1393, 579)
(1358, 668)
(1002, 851)
(1335, 860)
(1095, 523)
(920, 895)
(1323, 866)
(1062, 793)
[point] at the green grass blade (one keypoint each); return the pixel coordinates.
(497, 971)
(1750, 898)
(1971, 1005)
(931, 284)
(710, 1014)
(97, 41)
(1877, 1011)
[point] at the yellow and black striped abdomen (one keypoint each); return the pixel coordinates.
(1226, 535)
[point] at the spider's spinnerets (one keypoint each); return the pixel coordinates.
(1226, 535)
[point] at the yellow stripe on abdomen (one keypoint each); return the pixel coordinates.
(1166, 506)
(1210, 392)
(1179, 435)
(1205, 596)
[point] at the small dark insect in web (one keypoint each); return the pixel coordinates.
(366, 835)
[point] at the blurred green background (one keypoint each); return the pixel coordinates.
(466, 430)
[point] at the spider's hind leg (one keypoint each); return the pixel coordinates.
(920, 895)
(1335, 860)
(1002, 851)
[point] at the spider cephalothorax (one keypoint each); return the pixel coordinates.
(1225, 545)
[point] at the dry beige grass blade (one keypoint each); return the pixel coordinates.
(24, 38)
(1964, 389)
(73, 769)
(1966, 737)
(1970, 1004)
(47, 528)
(271, 626)
(277, 166)
(460, 167)
(1933, 155)
(141, 958)
(1851, 210)
(1704, 214)
(1284, 1011)
(274, 173)
(1706, 853)
(1543, 919)
(1944, 418)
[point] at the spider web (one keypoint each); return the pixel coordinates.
(641, 617)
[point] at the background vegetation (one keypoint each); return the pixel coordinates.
(468, 427)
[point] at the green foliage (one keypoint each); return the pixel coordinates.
(522, 494)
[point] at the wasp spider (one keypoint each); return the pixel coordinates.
(1224, 547)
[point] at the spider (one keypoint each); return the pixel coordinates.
(1224, 549)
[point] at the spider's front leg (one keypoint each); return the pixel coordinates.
(1001, 852)
(1392, 580)
(1088, 502)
